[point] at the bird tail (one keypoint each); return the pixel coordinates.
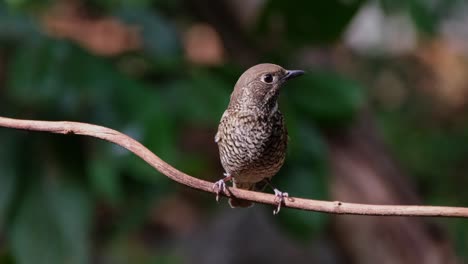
(236, 202)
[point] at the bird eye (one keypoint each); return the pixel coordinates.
(267, 78)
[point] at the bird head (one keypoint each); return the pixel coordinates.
(259, 86)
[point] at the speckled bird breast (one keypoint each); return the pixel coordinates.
(252, 147)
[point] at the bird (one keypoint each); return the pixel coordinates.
(252, 137)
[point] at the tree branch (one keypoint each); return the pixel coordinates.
(335, 207)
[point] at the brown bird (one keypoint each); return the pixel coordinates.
(252, 137)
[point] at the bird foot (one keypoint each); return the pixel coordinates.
(280, 196)
(220, 186)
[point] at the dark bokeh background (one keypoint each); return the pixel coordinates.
(379, 118)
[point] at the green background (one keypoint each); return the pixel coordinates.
(70, 199)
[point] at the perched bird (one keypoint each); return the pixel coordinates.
(252, 137)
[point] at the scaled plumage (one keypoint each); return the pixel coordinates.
(252, 137)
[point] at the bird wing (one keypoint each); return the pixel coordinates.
(219, 134)
(217, 137)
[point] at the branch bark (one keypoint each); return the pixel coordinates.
(333, 207)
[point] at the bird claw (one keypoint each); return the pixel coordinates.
(219, 186)
(280, 196)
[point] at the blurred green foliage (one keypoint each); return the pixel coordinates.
(48, 210)
(51, 185)
(307, 21)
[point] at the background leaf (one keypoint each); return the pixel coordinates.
(51, 226)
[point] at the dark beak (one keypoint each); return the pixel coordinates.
(292, 74)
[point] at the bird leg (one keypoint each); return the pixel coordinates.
(220, 186)
(280, 196)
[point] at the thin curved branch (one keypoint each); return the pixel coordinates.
(334, 207)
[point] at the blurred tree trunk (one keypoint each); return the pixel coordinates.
(364, 172)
